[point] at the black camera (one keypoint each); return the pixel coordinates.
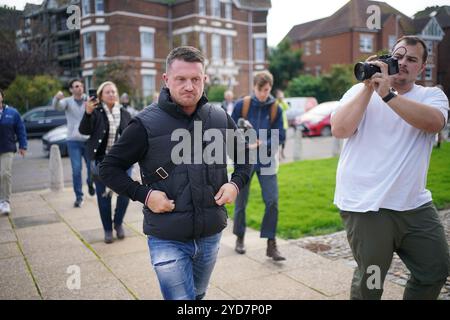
(364, 70)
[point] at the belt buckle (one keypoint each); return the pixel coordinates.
(162, 173)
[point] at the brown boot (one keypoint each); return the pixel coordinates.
(240, 248)
(272, 250)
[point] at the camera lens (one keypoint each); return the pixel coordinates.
(360, 71)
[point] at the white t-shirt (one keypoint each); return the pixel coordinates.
(385, 163)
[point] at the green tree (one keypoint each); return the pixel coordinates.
(338, 81)
(308, 86)
(119, 73)
(27, 92)
(284, 64)
(215, 93)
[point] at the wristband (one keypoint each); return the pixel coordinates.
(148, 195)
(389, 96)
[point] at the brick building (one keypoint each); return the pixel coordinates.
(231, 33)
(345, 38)
(45, 26)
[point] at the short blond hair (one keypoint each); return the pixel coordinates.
(102, 86)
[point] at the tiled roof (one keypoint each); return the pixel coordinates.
(352, 16)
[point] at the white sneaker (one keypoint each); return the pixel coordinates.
(5, 208)
(2, 207)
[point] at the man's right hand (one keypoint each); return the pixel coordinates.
(159, 203)
(59, 95)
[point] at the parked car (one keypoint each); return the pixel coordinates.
(40, 120)
(298, 106)
(316, 122)
(56, 136)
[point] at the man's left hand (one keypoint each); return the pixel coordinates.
(22, 152)
(381, 81)
(226, 194)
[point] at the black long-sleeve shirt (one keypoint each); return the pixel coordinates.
(132, 147)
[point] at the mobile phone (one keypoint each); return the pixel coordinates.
(92, 93)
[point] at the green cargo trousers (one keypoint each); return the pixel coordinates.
(417, 236)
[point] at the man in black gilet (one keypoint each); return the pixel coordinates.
(184, 212)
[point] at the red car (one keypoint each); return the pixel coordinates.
(316, 122)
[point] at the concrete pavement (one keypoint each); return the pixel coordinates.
(50, 250)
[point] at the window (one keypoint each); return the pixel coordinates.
(318, 49)
(86, 5)
(229, 48)
(306, 49)
(318, 70)
(216, 53)
(148, 85)
(202, 42)
(215, 8)
(101, 44)
(87, 44)
(391, 42)
(429, 47)
(260, 50)
(429, 73)
(99, 7)
(147, 45)
(202, 7)
(184, 40)
(88, 82)
(365, 43)
(228, 10)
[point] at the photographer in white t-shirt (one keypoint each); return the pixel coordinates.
(389, 124)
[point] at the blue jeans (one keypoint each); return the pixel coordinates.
(104, 206)
(269, 188)
(184, 268)
(77, 150)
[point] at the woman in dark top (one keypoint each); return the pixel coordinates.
(105, 120)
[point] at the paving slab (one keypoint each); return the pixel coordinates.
(9, 250)
(16, 282)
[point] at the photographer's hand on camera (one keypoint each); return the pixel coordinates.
(59, 95)
(159, 203)
(91, 104)
(380, 81)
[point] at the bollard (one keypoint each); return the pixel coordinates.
(297, 147)
(56, 169)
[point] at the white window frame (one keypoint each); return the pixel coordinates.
(318, 70)
(366, 43)
(392, 39)
(318, 47)
(102, 10)
(147, 50)
(203, 42)
(306, 48)
(86, 7)
(429, 72)
(429, 44)
(202, 7)
(216, 47)
(260, 50)
(101, 43)
(87, 47)
(228, 11)
(88, 82)
(229, 48)
(184, 39)
(148, 88)
(215, 8)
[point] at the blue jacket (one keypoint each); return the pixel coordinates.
(11, 130)
(259, 116)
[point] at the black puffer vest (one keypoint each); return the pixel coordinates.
(191, 186)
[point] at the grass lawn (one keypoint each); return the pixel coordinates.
(306, 191)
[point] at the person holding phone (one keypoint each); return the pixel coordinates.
(76, 143)
(104, 120)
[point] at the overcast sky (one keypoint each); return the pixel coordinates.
(287, 13)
